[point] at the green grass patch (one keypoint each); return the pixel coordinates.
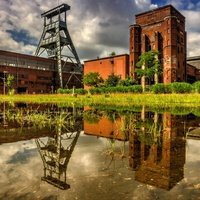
(159, 100)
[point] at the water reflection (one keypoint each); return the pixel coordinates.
(55, 151)
(151, 145)
(158, 155)
(55, 154)
(157, 142)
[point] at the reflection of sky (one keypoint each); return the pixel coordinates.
(22, 170)
(193, 150)
(9, 151)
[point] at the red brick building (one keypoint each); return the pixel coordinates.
(34, 74)
(118, 65)
(161, 29)
(193, 69)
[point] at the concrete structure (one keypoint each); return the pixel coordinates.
(117, 65)
(163, 30)
(33, 74)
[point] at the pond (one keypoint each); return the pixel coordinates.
(49, 151)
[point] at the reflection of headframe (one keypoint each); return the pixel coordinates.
(55, 158)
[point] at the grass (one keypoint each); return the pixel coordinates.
(155, 100)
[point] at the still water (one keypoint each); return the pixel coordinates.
(52, 152)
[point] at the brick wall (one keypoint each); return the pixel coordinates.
(119, 65)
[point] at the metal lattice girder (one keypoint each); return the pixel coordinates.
(57, 43)
(56, 157)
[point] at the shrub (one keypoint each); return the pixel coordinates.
(135, 89)
(118, 89)
(96, 90)
(70, 91)
(160, 88)
(196, 86)
(127, 82)
(64, 91)
(181, 87)
(92, 79)
(112, 80)
(80, 91)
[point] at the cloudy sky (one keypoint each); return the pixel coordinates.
(97, 28)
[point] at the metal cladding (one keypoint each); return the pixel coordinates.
(57, 43)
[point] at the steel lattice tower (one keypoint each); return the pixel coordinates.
(56, 41)
(56, 157)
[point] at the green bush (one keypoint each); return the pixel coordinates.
(181, 87)
(118, 89)
(80, 91)
(70, 91)
(92, 79)
(112, 80)
(64, 91)
(135, 89)
(160, 88)
(196, 86)
(96, 90)
(127, 82)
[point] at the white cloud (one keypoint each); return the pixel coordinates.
(193, 32)
(143, 4)
(96, 27)
(193, 43)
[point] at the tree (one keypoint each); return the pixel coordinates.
(112, 80)
(148, 66)
(127, 82)
(10, 84)
(92, 79)
(112, 53)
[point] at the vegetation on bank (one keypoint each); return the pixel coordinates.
(160, 88)
(152, 100)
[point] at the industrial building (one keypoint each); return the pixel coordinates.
(118, 65)
(60, 69)
(33, 74)
(162, 30)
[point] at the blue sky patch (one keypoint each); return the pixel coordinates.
(22, 36)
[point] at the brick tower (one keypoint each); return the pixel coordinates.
(161, 29)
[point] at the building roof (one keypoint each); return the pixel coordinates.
(108, 57)
(25, 56)
(193, 58)
(158, 9)
(194, 61)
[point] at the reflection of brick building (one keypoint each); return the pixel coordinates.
(106, 128)
(162, 29)
(159, 164)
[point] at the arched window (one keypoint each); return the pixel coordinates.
(147, 43)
